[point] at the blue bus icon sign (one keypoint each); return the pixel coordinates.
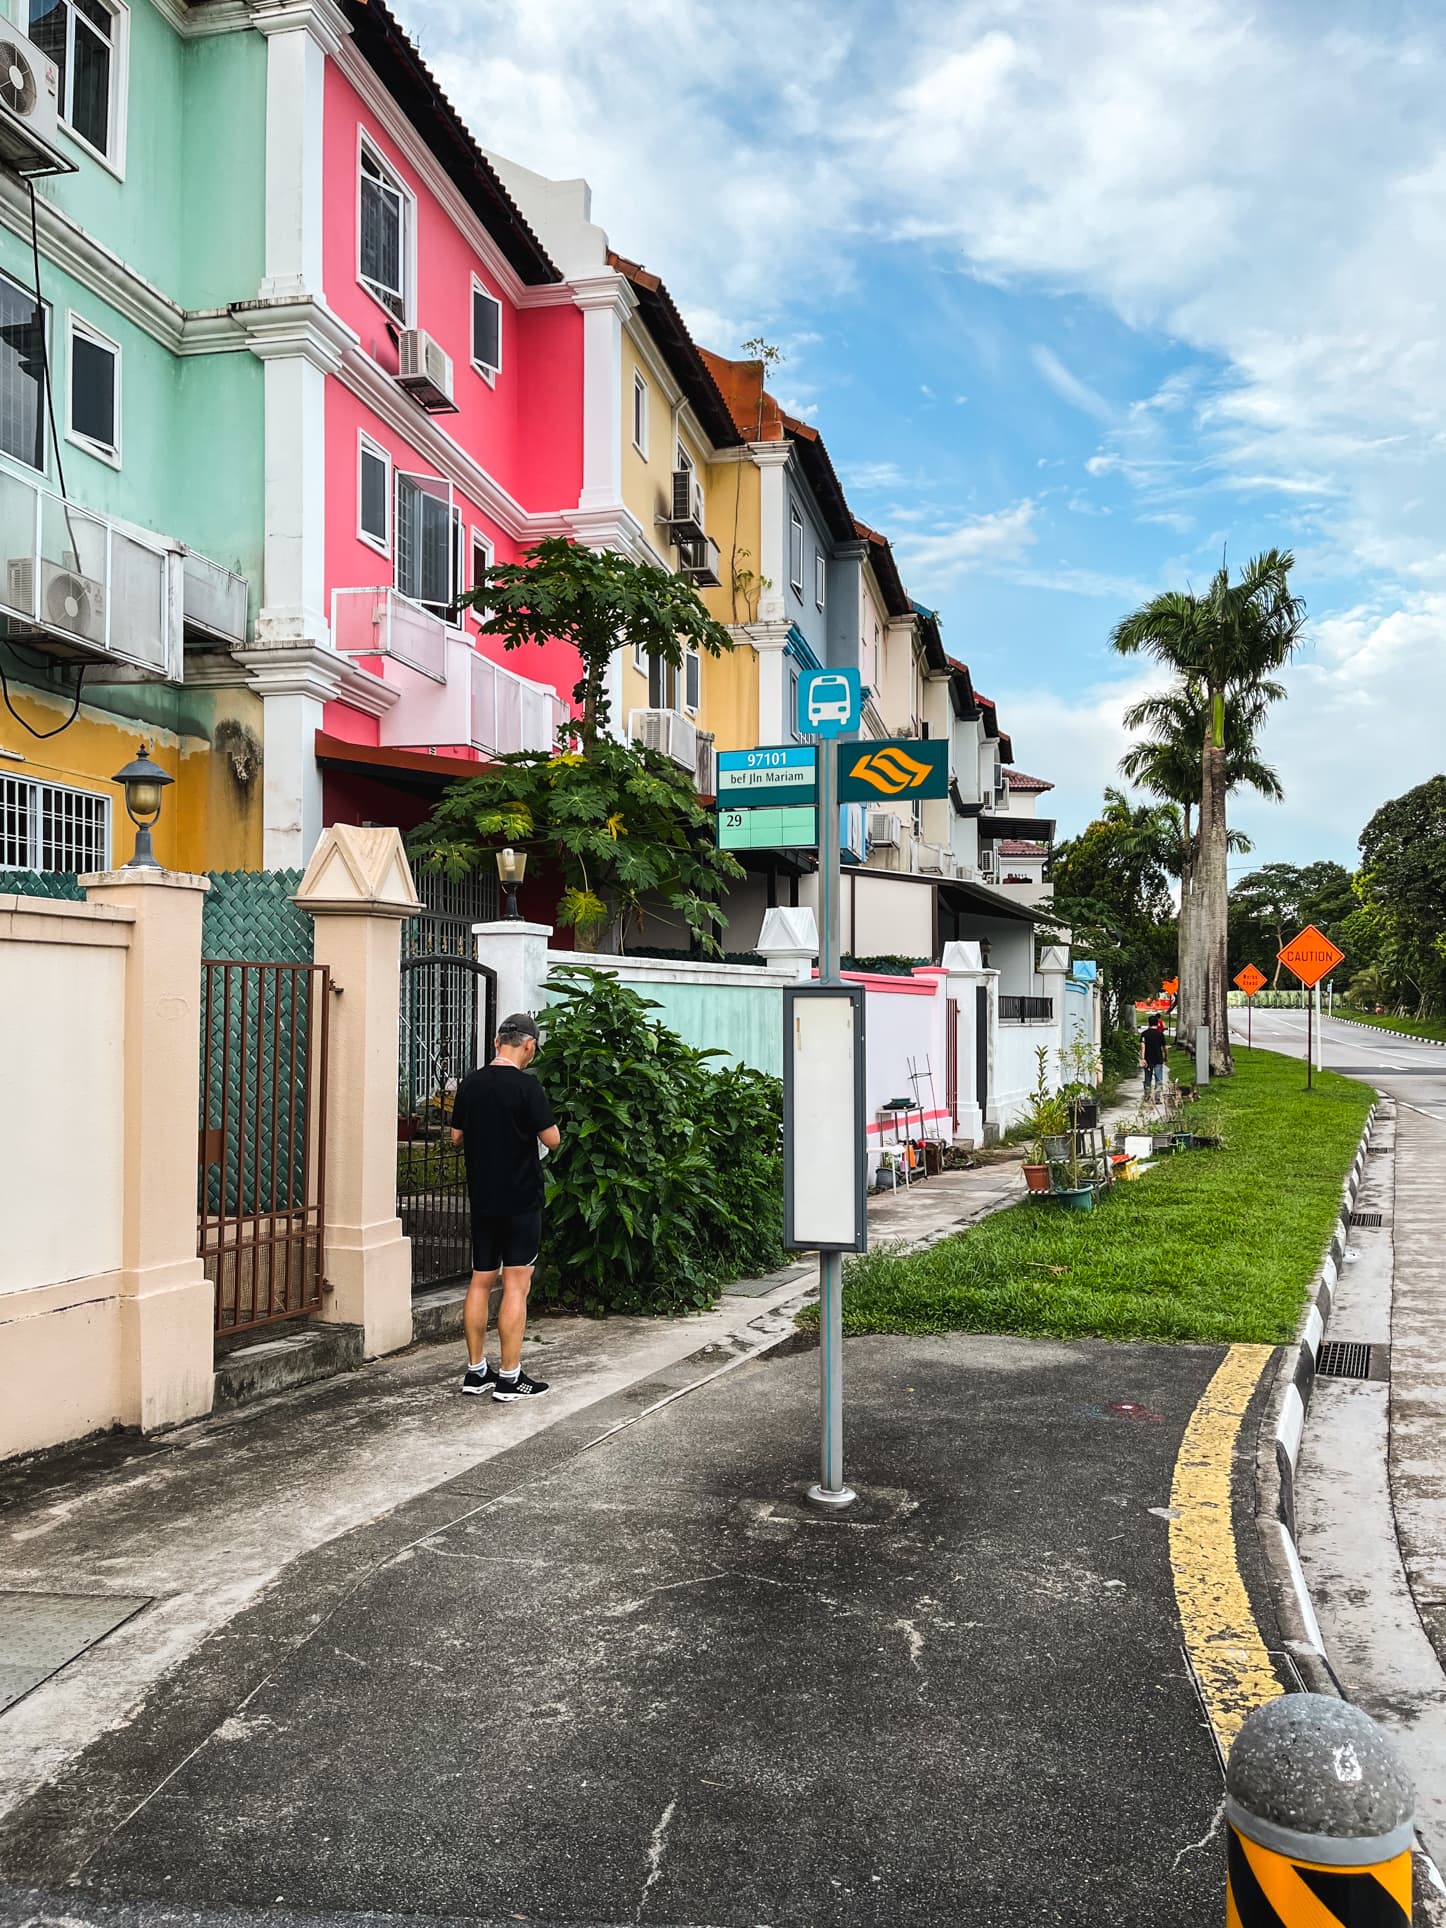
(830, 702)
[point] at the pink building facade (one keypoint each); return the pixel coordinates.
(429, 267)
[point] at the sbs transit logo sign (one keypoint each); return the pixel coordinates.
(895, 769)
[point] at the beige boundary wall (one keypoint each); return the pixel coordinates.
(105, 1312)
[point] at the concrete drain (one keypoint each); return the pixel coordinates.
(41, 1632)
(1343, 1359)
(1366, 1218)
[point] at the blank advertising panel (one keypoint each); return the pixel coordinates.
(825, 1155)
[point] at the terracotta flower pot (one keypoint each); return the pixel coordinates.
(1036, 1178)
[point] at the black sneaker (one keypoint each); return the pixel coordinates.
(479, 1379)
(522, 1387)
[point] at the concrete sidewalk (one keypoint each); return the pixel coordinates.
(639, 1681)
(198, 1522)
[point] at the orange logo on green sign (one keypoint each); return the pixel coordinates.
(1311, 956)
(891, 771)
(1250, 980)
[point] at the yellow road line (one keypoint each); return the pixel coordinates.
(1222, 1641)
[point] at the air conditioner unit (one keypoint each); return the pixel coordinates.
(29, 107)
(671, 734)
(685, 520)
(699, 563)
(883, 831)
(69, 602)
(426, 370)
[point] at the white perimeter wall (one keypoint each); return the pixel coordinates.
(61, 1124)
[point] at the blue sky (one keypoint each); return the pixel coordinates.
(1078, 295)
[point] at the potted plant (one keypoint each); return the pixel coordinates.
(1072, 1181)
(1082, 1067)
(1047, 1118)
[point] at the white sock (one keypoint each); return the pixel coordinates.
(508, 1375)
(477, 1365)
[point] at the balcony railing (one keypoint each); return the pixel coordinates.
(510, 713)
(85, 586)
(380, 622)
(1026, 1010)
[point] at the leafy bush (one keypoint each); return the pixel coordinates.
(669, 1178)
(1120, 1049)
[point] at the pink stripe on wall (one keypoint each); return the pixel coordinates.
(911, 1120)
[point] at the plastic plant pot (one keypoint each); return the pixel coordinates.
(1082, 1200)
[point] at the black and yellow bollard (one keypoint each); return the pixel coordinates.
(1319, 1820)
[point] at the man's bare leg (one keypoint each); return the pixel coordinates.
(474, 1315)
(512, 1319)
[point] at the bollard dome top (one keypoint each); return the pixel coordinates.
(1317, 1766)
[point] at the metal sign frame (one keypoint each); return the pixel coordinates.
(845, 1136)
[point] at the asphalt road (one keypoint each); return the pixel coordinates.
(1412, 1072)
(641, 1682)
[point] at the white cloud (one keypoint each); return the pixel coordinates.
(1077, 393)
(869, 476)
(930, 560)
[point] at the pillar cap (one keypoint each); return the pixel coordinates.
(511, 927)
(961, 954)
(359, 870)
(788, 931)
(1307, 1770)
(147, 878)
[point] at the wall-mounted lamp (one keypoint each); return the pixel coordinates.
(143, 782)
(511, 869)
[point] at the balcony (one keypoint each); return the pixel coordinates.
(509, 712)
(87, 588)
(678, 738)
(380, 622)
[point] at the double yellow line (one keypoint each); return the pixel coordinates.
(1231, 1664)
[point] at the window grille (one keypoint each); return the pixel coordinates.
(46, 826)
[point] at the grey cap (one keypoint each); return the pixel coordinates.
(519, 1026)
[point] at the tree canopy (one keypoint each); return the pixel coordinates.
(1112, 890)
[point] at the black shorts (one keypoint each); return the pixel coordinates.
(505, 1240)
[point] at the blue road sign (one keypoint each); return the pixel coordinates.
(830, 702)
(783, 773)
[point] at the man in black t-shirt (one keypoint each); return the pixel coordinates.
(500, 1117)
(1152, 1056)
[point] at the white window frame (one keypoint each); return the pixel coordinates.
(36, 785)
(682, 460)
(488, 373)
(478, 540)
(408, 251)
(820, 578)
(366, 445)
(460, 558)
(690, 682)
(641, 394)
(433, 485)
(795, 530)
(114, 158)
(109, 453)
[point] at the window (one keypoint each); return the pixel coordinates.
(424, 542)
(482, 554)
(795, 550)
(662, 685)
(87, 41)
(486, 332)
(640, 415)
(385, 231)
(683, 460)
(45, 826)
(459, 557)
(93, 396)
(820, 576)
(22, 375)
(374, 496)
(692, 681)
(791, 718)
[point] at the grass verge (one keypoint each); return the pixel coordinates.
(1210, 1245)
(1414, 1027)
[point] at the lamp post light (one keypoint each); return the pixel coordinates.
(511, 869)
(143, 782)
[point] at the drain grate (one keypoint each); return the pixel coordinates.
(1378, 1151)
(1343, 1359)
(1366, 1218)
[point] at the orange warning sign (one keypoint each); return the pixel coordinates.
(1171, 986)
(1311, 956)
(1250, 980)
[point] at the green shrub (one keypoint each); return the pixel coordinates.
(1120, 1049)
(669, 1177)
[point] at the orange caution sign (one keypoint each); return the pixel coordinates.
(1171, 986)
(1250, 980)
(1311, 956)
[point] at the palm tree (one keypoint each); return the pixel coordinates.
(1167, 763)
(1225, 643)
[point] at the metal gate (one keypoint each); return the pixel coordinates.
(261, 1189)
(448, 1021)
